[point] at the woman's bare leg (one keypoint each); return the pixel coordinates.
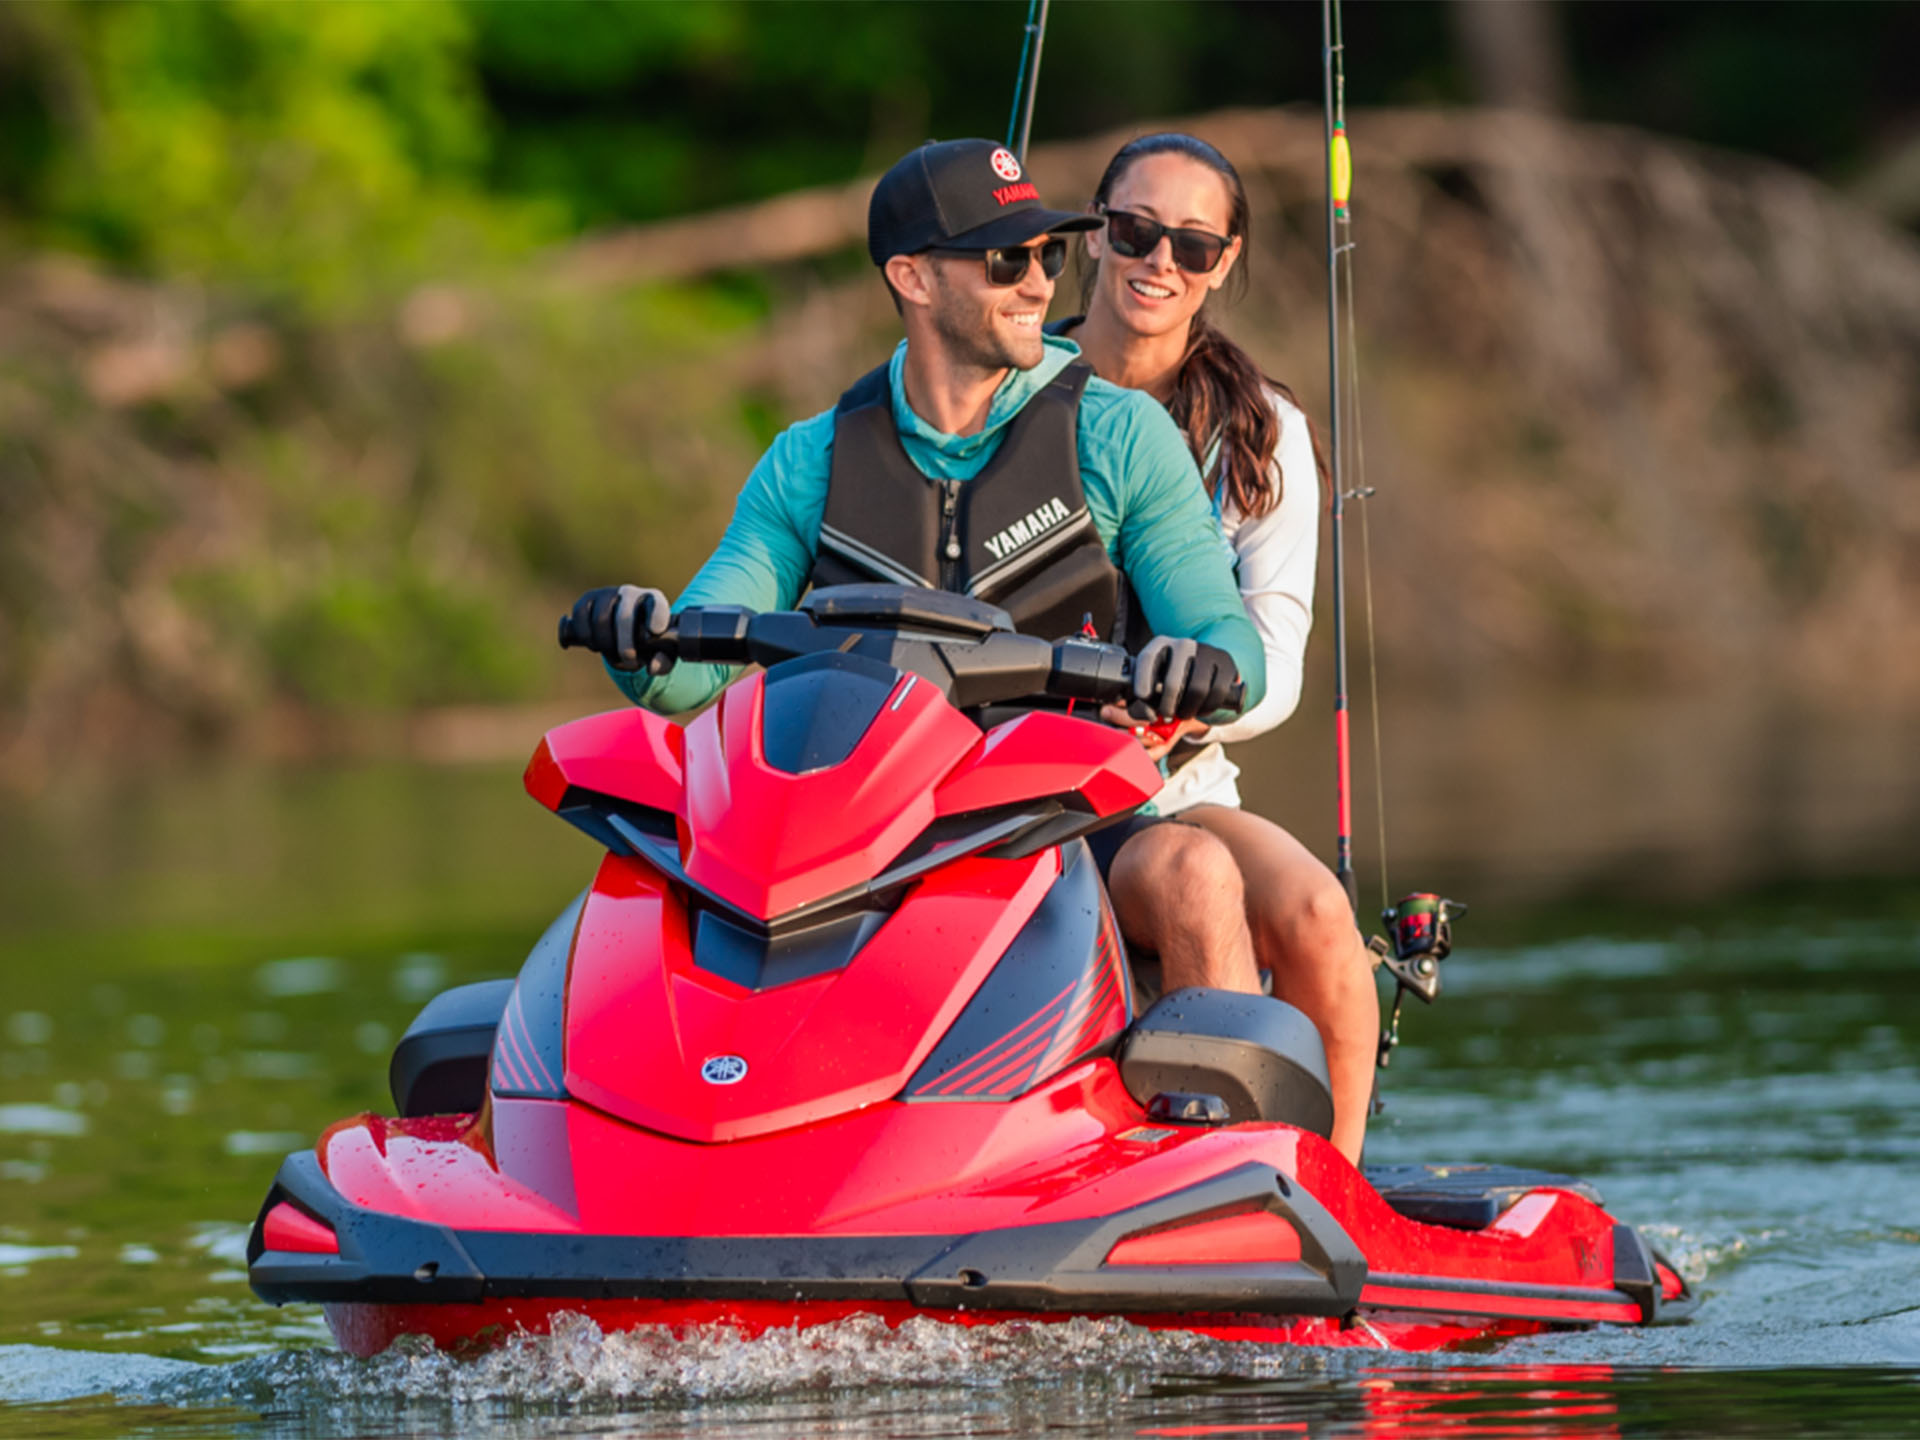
(1304, 933)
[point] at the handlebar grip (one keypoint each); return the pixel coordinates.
(1237, 696)
(569, 637)
(1089, 670)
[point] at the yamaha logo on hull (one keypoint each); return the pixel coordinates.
(723, 1070)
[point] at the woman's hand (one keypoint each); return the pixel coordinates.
(1157, 745)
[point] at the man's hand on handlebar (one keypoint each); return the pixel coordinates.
(1181, 679)
(617, 621)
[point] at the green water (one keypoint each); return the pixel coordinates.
(200, 974)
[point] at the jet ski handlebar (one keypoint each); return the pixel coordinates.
(972, 669)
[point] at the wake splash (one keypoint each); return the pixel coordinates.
(579, 1367)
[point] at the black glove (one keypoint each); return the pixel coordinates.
(1179, 679)
(616, 621)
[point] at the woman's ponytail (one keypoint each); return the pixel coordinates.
(1220, 401)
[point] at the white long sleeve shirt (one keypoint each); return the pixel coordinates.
(1274, 558)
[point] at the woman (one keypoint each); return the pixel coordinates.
(1176, 226)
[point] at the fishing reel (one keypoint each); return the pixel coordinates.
(1419, 936)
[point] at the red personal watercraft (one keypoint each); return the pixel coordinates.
(844, 1025)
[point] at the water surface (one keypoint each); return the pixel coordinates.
(198, 981)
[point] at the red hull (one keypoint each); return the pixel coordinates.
(1080, 1150)
(843, 1026)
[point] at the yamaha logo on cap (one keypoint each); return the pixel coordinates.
(723, 1070)
(964, 194)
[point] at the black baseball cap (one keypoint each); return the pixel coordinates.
(967, 194)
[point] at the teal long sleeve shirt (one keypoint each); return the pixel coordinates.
(1143, 493)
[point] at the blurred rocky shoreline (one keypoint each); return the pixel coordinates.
(1642, 419)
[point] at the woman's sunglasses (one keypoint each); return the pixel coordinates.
(1009, 264)
(1135, 236)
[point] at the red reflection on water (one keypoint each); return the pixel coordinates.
(1493, 1405)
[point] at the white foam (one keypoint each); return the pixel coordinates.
(578, 1366)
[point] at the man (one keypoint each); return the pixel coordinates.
(985, 459)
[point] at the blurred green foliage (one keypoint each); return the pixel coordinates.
(633, 111)
(388, 514)
(319, 150)
(430, 434)
(324, 150)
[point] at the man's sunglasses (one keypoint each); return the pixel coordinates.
(1135, 236)
(1008, 265)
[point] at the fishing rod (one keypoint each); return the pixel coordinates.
(1027, 83)
(1419, 927)
(1339, 187)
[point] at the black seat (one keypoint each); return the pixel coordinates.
(1261, 1056)
(440, 1065)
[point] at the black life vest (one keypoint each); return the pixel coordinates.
(1017, 535)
